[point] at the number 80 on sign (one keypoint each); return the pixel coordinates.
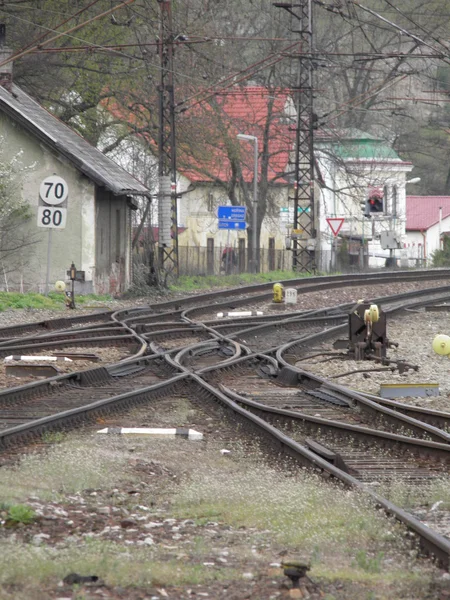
(52, 217)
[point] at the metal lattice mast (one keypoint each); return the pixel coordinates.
(167, 205)
(304, 236)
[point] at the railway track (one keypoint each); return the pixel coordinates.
(242, 368)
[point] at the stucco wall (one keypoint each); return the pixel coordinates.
(112, 243)
(198, 214)
(74, 243)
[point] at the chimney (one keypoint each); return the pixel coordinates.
(5, 53)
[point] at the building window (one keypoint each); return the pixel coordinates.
(210, 202)
(386, 206)
(394, 200)
(118, 232)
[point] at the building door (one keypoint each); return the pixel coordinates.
(241, 255)
(271, 254)
(210, 256)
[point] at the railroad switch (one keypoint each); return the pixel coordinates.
(367, 339)
(367, 332)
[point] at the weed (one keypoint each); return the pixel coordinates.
(20, 513)
(61, 472)
(53, 437)
(371, 564)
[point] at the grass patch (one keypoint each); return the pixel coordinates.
(187, 283)
(342, 533)
(53, 437)
(296, 513)
(11, 300)
(66, 468)
(409, 494)
(27, 566)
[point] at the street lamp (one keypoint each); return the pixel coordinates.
(254, 140)
(413, 180)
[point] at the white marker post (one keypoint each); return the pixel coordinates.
(290, 296)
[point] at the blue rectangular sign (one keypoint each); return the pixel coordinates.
(233, 213)
(225, 224)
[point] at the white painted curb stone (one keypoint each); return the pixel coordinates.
(36, 358)
(241, 313)
(190, 434)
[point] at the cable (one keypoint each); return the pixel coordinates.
(65, 33)
(41, 37)
(404, 31)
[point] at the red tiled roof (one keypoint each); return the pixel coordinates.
(244, 111)
(205, 134)
(422, 212)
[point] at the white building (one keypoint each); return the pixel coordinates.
(427, 222)
(364, 185)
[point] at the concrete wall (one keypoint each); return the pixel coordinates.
(112, 247)
(27, 269)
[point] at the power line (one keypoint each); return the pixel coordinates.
(21, 53)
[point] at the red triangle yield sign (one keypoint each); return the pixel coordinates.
(335, 224)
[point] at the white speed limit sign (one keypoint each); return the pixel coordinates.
(52, 217)
(53, 190)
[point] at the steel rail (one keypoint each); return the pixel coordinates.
(297, 377)
(308, 282)
(437, 418)
(434, 449)
(167, 310)
(438, 545)
(432, 541)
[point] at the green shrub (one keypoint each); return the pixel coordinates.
(20, 513)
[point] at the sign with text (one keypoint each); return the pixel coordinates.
(52, 208)
(290, 296)
(225, 224)
(232, 213)
(287, 213)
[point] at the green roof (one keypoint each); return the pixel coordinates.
(356, 144)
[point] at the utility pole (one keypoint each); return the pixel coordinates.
(304, 235)
(167, 198)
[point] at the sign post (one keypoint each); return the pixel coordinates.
(53, 191)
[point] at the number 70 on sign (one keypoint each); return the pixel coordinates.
(53, 191)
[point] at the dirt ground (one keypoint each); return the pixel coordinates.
(129, 512)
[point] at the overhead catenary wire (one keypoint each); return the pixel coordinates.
(22, 53)
(73, 16)
(244, 75)
(398, 27)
